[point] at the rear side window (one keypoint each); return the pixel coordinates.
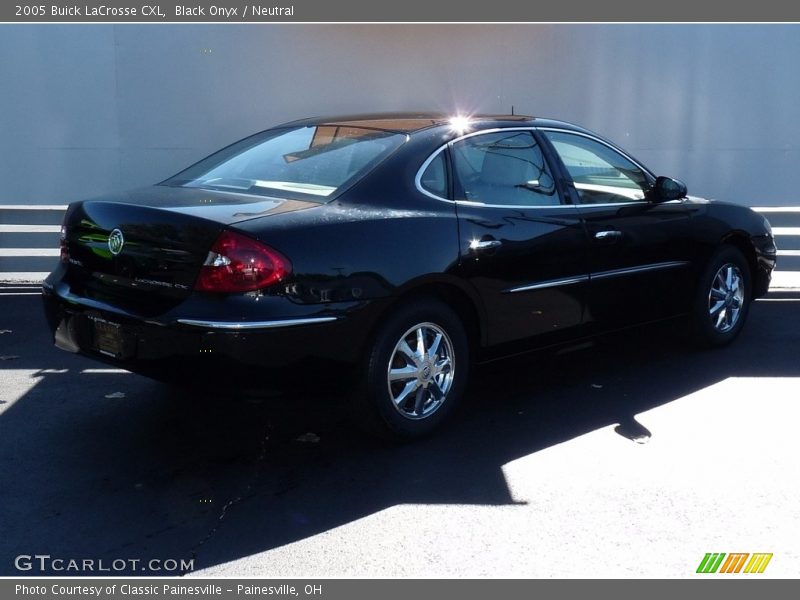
(310, 162)
(503, 168)
(434, 178)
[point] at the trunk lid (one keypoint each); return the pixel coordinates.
(141, 251)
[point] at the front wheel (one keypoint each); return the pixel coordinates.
(722, 299)
(415, 371)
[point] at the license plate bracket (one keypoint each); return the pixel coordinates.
(107, 337)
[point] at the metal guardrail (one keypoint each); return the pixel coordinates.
(29, 242)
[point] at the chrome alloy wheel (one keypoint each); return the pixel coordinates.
(421, 370)
(726, 298)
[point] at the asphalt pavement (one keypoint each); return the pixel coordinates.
(632, 458)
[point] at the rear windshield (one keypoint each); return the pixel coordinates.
(309, 162)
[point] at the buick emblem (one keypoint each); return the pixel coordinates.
(115, 242)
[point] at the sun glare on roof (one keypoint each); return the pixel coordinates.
(460, 123)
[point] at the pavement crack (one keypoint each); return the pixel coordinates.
(194, 550)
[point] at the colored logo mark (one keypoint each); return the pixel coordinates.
(737, 562)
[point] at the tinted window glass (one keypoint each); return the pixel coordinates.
(312, 162)
(434, 178)
(505, 168)
(601, 175)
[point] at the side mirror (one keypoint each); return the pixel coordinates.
(667, 188)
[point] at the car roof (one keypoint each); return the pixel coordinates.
(411, 122)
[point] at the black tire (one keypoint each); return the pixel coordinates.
(375, 410)
(705, 329)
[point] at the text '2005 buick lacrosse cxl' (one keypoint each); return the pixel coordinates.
(396, 250)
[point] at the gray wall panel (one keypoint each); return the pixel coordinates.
(88, 109)
(58, 112)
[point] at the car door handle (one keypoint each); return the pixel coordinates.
(608, 236)
(485, 244)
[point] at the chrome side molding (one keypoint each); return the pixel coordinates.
(673, 264)
(247, 325)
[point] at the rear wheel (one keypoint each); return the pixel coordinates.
(415, 371)
(722, 299)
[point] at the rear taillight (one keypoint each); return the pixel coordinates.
(237, 263)
(62, 242)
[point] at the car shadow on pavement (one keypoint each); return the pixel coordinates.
(109, 465)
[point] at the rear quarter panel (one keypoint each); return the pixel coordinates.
(341, 252)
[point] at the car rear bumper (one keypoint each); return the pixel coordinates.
(198, 340)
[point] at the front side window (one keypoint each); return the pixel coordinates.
(307, 162)
(502, 168)
(601, 175)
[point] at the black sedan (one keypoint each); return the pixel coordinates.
(395, 251)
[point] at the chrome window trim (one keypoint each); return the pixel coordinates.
(517, 206)
(672, 264)
(440, 149)
(604, 143)
(247, 325)
(421, 170)
(443, 147)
